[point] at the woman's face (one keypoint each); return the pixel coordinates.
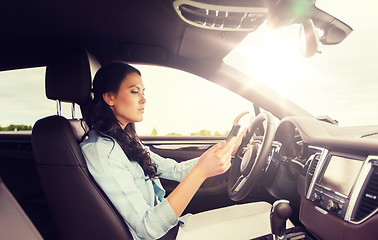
(128, 103)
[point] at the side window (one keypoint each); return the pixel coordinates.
(23, 100)
(179, 103)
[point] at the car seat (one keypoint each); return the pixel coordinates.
(14, 223)
(80, 209)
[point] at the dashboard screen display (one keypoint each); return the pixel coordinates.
(341, 174)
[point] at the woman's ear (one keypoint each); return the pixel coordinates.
(109, 98)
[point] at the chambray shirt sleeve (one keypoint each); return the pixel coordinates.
(112, 171)
(171, 169)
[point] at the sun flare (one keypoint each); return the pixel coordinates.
(272, 56)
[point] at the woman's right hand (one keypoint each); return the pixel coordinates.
(216, 160)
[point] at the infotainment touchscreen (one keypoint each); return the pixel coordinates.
(341, 173)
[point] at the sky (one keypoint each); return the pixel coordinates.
(178, 102)
(341, 82)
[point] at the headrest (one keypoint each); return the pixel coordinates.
(69, 77)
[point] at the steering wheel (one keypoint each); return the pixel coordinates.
(251, 157)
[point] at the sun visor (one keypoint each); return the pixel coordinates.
(143, 53)
(195, 44)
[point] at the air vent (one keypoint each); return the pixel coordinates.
(369, 200)
(220, 17)
(311, 169)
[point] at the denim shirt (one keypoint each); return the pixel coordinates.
(131, 192)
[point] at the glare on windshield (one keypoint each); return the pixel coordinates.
(341, 81)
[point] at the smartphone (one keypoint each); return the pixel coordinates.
(233, 133)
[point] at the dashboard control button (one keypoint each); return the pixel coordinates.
(332, 206)
(317, 197)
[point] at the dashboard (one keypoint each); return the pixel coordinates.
(333, 170)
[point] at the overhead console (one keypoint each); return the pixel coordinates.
(248, 15)
(341, 195)
(222, 15)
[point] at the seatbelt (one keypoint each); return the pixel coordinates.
(171, 234)
(159, 193)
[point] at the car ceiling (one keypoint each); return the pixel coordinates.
(145, 31)
(35, 32)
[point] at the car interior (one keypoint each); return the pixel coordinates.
(315, 175)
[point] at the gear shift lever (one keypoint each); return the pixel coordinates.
(279, 213)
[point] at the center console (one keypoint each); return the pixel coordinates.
(332, 187)
(279, 214)
(340, 199)
(295, 233)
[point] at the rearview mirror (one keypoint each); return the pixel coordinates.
(333, 30)
(308, 38)
(333, 36)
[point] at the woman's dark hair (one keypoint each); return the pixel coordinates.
(102, 119)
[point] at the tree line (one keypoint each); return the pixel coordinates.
(16, 127)
(201, 133)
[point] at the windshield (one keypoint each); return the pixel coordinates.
(341, 81)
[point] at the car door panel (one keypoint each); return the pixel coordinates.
(213, 192)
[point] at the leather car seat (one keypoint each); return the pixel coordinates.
(14, 223)
(80, 209)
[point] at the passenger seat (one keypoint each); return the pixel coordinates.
(14, 224)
